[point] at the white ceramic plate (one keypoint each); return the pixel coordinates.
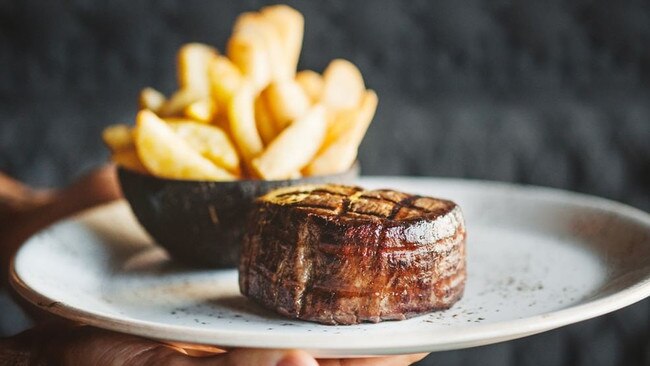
(538, 259)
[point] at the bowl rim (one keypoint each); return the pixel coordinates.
(354, 169)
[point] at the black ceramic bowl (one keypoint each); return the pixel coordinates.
(198, 222)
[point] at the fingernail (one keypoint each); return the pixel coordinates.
(296, 360)
(288, 361)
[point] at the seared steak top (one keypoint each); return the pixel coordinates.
(349, 202)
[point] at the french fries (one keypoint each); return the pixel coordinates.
(118, 137)
(175, 105)
(294, 147)
(241, 113)
(203, 110)
(209, 141)
(247, 50)
(311, 83)
(290, 25)
(343, 85)
(225, 78)
(249, 113)
(287, 102)
(193, 60)
(266, 31)
(129, 159)
(340, 154)
(151, 99)
(264, 121)
(166, 155)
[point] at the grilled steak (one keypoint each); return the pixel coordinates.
(343, 255)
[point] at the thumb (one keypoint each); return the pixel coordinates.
(264, 357)
(64, 344)
(108, 348)
(100, 347)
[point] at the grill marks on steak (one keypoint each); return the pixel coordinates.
(342, 255)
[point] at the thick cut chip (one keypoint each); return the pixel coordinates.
(339, 123)
(166, 154)
(247, 112)
(225, 78)
(343, 85)
(291, 26)
(247, 50)
(209, 141)
(203, 110)
(312, 83)
(264, 121)
(175, 105)
(118, 137)
(338, 155)
(193, 61)
(287, 102)
(179, 120)
(151, 99)
(269, 34)
(129, 159)
(243, 128)
(294, 147)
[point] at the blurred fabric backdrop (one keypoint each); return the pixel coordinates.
(551, 93)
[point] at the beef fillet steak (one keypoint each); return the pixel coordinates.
(343, 255)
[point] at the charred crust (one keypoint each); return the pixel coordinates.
(343, 255)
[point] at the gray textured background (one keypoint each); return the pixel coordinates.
(552, 93)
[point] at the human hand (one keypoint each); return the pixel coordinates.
(64, 344)
(24, 211)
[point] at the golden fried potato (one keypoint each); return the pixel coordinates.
(254, 22)
(290, 25)
(209, 141)
(294, 147)
(343, 85)
(118, 137)
(193, 60)
(264, 121)
(311, 83)
(166, 154)
(339, 123)
(287, 102)
(248, 113)
(129, 159)
(241, 113)
(179, 120)
(247, 50)
(338, 155)
(175, 105)
(151, 99)
(203, 110)
(225, 79)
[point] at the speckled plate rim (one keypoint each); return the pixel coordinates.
(342, 345)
